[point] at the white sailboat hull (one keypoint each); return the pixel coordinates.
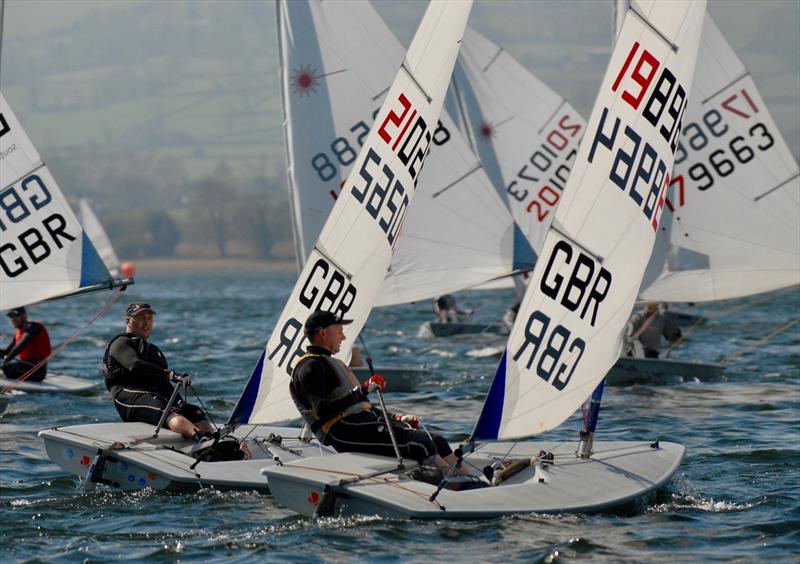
(620, 476)
(458, 328)
(160, 464)
(629, 371)
(52, 384)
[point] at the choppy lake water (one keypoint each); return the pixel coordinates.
(736, 495)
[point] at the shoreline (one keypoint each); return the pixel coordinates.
(229, 264)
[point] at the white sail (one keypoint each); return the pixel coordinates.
(337, 61)
(734, 204)
(44, 252)
(94, 229)
(524, 133)
(346, 267)
(568, 331)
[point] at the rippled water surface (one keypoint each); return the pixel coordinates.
(736, 495)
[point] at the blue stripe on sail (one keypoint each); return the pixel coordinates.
(93, 271)
(524, 255)
(492, 412)
(244, 407)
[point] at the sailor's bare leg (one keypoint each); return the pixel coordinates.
(186, 428)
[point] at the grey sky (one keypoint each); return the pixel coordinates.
(126, 77)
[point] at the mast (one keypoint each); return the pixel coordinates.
(299, 243)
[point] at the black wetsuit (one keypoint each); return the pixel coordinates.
(313, 383)
(136, 375)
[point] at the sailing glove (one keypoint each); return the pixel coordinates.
(375, 382)
(179, 378)
(411, 420)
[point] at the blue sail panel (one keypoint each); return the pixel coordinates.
(492, 412)
(524, 255)
(93, 270)
(244, 407)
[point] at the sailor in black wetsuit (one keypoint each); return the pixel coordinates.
(138, 377)
(334, 404)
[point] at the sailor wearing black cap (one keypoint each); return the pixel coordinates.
(138, 377)
(30, 346)
(334, 403)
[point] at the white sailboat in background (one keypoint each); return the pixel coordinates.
(44, 252)
(525, 135)
(336, 63)
(344, 273)
(94, 229)
(732, 223)
(568, 331)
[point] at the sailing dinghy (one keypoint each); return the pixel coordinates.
(731, 224)
(569, 329)
(45, 253)
(343, 274)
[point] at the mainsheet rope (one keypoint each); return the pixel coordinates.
(117, 295)
(748, 348)
(723, 313)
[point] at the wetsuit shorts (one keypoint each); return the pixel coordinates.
(147, 407)
(366, 432)
(17, 368)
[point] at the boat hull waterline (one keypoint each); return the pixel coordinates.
(161, 463)
(620, 476)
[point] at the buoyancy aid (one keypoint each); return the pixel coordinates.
(39, 346)
(348, 386)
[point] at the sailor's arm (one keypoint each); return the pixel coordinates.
(14, 349)
(123, 351)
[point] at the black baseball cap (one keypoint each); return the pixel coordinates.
(136, 308)
(16, 312)
(322, 319)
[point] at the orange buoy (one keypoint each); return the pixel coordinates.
(128, 269)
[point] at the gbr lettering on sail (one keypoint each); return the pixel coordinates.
(574, 280)
(33, 226)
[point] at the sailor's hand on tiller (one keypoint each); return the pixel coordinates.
(408, 418)
(375, 382)
(179, 378)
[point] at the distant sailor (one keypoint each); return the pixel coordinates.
(30, 346)
(446, 309)
(648, 327)
(335, 406)
(138, 377)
